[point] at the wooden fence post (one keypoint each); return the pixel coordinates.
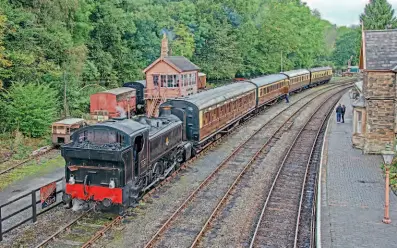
(34, 207)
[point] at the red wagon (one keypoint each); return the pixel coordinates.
(119, 102)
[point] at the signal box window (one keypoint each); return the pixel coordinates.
(156, 80)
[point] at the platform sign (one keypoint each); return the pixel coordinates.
(48, 194)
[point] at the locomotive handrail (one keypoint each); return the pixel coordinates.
(33, 205)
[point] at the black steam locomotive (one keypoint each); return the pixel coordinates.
(112, 162)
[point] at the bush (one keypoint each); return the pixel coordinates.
(29, 108)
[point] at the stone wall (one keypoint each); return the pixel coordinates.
(379, 92)
(379, 125)
(379, 85)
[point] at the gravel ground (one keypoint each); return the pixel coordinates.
(32, 234)
(279, 220)
(243, 207)
(189, 223)
(149, 217)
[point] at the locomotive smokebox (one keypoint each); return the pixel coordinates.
(165, 110)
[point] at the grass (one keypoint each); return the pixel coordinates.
(18, 146)
(33, 168)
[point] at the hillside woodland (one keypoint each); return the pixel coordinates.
(55, 53)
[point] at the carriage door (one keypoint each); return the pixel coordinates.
(181, 114)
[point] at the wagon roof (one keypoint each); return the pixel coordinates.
(118, 91)
(214, 96)
(320, 69)
(295, 73)
(69, 121)
(264, 80)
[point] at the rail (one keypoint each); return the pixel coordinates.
(279, 172)
(35, 213)
(166, 224)
(26, 160)
(33, 205)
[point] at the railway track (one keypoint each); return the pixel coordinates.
(211, 145)
(82, 231)
(196, 202)
(7, 170)
(288, 200)
(115, 220)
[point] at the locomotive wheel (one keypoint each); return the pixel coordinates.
(180, 158)
(158, 171)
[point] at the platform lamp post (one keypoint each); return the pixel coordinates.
(388, 158)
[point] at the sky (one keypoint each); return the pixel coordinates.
(341, 12)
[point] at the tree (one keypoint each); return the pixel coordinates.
(30, 108)
(378, 15)
(347, 45)
(4, 62)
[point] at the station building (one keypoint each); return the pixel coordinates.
(374, 111)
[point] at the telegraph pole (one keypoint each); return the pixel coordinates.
(281, 61)
(65, 105)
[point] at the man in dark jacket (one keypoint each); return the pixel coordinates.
(338, 113)
(343, 113)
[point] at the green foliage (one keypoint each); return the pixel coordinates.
(347, 45)
(378, 15)
(94, 45)
(4, 62)
(29, 108)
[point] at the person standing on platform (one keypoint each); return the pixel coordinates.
(343, 113)
(338, 113)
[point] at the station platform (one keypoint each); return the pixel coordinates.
(352, 192)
